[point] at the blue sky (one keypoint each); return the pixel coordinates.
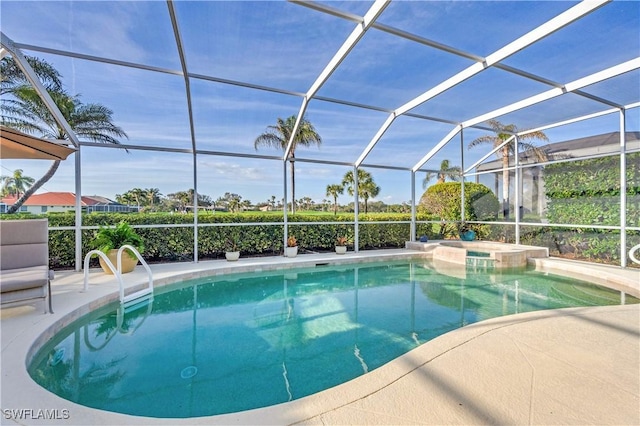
(286, 46)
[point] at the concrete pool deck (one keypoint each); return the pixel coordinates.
(568, 366)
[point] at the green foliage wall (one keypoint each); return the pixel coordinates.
(587, 192)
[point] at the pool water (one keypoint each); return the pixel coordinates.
(237, 342)
(478, 253)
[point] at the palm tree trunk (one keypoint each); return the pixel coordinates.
(29, 192)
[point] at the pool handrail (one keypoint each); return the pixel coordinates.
(632, 256)
(117, 272)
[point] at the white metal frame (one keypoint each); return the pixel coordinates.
(364, 24)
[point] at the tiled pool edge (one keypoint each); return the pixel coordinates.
(625, 280)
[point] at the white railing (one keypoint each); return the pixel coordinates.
(632, 256)
(117, 272)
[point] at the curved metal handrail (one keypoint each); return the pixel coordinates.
(631, 255)
(117, 272)
(143, 292)
(106, 261)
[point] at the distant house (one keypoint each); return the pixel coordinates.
(64, 202)
(103, 204)
(533, 194)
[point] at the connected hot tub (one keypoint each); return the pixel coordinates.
(480, 254)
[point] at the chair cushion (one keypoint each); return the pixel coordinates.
(23, 255)
(24, 231)
(24, 278)
(23, 295)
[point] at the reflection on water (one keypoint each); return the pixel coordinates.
(239, 342)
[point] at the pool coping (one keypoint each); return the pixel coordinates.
(22, 331)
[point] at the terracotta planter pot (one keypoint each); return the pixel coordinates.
(129, 262)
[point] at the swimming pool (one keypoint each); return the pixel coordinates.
(243, 341)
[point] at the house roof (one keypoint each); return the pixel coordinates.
(97, 199)
(592, 143)
(606, 143)
(52, 199)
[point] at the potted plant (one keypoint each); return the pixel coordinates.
(109, 239)
(341, 245)
(232, 250)
(465, 232)
(291, 250)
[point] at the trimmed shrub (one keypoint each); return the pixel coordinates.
(443, 201)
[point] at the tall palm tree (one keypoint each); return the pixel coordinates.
(16, 184)
(445, 172)
(502, 133)
(182, 199)
(367, 188)
(152, 195)
(125, 198)
(278, 137)
(334, 191)
(24, 110)
(138, 195)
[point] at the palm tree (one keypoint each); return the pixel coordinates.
(16, 184)
(182, 199)
(367, 188)
(138, 195)
(278, 137)
(502, 133)
(334, 191)
(152, 195)
(125, 198)
(24, 110)
(446, 172)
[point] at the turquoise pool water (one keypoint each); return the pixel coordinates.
(478, 253)
(238, 342)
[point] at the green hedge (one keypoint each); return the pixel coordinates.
(593, 245)
(164, 244)
(587, 192)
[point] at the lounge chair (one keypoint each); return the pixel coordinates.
(24, 262)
